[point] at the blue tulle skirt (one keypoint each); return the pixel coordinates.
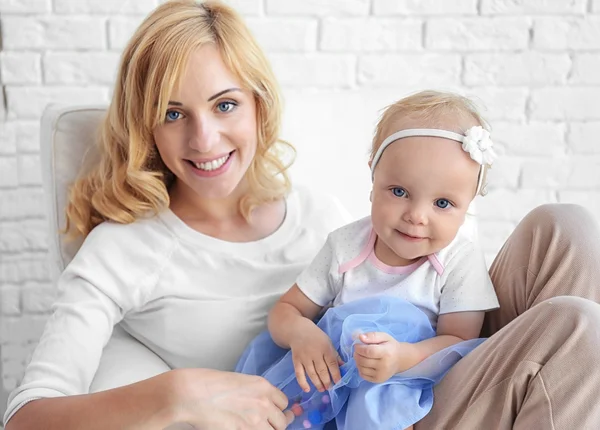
(353, 402)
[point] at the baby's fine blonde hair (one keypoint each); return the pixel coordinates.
(431, 108)
(130, 179)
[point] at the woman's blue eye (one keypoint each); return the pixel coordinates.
(399, 192)
(172, 115)
(442, 203)
(226, 106)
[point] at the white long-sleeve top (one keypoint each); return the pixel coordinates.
(194, 300)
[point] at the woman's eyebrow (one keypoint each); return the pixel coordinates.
(220, 93)
(211, 98)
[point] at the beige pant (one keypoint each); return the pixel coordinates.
(540, 367)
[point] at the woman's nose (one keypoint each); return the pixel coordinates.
(203, 135)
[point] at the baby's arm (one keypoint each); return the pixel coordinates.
(291, 326)
(381, 356)
(292, 315)
(452, 328)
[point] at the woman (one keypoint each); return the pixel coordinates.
(193, 232)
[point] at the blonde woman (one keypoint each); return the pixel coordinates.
(193, 232)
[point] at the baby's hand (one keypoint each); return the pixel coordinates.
(381, 356)
(314, 354)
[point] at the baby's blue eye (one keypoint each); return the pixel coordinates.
(399, 192)
(225, 106)
(442, 203)
(172, 115)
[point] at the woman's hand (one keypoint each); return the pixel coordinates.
(381, 356)
(213, 400)
(314, 355)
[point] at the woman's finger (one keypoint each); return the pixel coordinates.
(277, 419)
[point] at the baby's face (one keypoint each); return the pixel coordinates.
(422, 189)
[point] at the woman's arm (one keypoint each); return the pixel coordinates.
(203, 398)
(146, 404)
(292, 314)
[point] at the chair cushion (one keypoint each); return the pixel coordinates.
(67, 142)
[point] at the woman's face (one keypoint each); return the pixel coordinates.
(209, 136)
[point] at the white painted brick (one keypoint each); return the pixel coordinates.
(120, 31)
(562, 103)
(584, 137)
(8, 172)
(10, 299)
(424, 7)
(477, 34)
(586, 69)
(246, 7)
(369, 35)
(318, 7)
(20, 329)
(537, 138)
(419, 70)
(540, 7)
(25, 6)
(505, 173)
(81, 68)
(314, 70)
(497, 103)
(38, 298)
(16, 269)
(104, 6)
(588, 199)
(574, 173)
(566, 33)
(42, 32)
(281, 35)
(27, 136)
(29, 102)
(30, 171)
(512, 205)
(21, 203)
(11, 238)
(8, 138)
(530, 68)
(20, 67)
(493, 235)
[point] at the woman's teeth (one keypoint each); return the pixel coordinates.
(212, 165)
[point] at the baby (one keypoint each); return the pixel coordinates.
(429, 159)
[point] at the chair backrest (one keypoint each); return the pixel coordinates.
(67, 145)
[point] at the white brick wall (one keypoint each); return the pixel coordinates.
(534, 64)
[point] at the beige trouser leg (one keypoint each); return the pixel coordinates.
(540, 370)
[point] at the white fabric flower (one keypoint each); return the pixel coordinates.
(478, 144)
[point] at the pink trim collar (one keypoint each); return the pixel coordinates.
(368, 252)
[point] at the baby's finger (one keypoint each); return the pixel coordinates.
(314, 377)
(368, 351)
(322, 369)
(334, 368)
(301, 377)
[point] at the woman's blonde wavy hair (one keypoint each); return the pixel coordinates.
(130, 179)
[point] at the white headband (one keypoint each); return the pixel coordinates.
(476, 142)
